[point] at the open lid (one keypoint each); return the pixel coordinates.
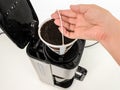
(19, 21)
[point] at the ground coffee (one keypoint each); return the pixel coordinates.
(51, 34)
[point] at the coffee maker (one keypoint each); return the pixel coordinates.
(20, 23)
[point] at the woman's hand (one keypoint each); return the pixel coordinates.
(88, 21)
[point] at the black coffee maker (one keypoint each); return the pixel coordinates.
(20, 23)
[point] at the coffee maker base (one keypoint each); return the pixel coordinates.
(54, 69)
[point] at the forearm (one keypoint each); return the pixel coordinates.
(112, 41)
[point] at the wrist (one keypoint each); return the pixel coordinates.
(111, 31)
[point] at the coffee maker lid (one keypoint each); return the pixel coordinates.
(19, 21)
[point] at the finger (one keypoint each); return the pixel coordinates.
(69, 20)
(68, 13)
(71, 27)
(80, 8)
(55, 15)
(67, 33)
(65, 24)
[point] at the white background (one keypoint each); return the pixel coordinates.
(17, 72)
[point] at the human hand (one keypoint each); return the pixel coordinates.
(91, 22)
(86, 22)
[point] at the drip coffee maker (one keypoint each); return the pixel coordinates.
(20, 23)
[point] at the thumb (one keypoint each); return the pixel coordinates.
(80, 8)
